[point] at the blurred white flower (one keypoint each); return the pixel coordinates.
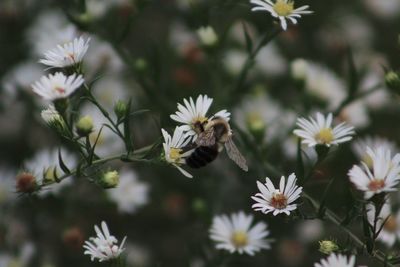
(234, 60)
(192, 114)
(21, 77)
(50, 29)
(277, 200)
(104, 246)
(281, 9)
(235, 233)
(137, 255)
(68, 54)
(359, 147)
(319, 131)
(101, 57)
(270, 60)
(99, 8)
(382, 176)
(337, 260)
(356, 113)
(44, 164)
(181, 37)
(57, 86)
(391, 230)
(109, 90)
(320, 81)
(385, 9)
(130, 194)
(207, 36)
(310, 230)
(173, 149)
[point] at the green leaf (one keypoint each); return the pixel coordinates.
(63, 167)
(322, 209)
(91, 154)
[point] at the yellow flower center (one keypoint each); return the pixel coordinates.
(376, 184)
(325, 136)
(239, 239)
(278, 201)
(391, 224)
(175, 153)
(283, 7)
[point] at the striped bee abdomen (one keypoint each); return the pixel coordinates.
(202, 155)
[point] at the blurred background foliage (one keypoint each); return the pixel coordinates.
(153, 55)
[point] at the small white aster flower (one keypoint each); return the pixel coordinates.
(173, 149)
(391, 230)
(271, 199)
(359, 147)
(319, 131)
(383, 176)
(66, 55)
(236, 233)
(337, 260)
(281, 9)
(193, 113)
(57, 86)
(104, 246)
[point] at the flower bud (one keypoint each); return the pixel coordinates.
(54, 120)
(50, 175)
(84, 126)
(141, 64)
(328, 246)
(207, 36)
(26, 182)
(109, 179)
(392, 80)
(120, 109)
(256, 125)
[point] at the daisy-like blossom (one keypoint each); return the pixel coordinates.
(337, 260)
(281, 9)
(192, 114)
(173, 149)
(235, 233)
(57, 86)
(130, 194)
(382, 176)
(320, 131)
(104, 246)
(391, 229)
(277, 200)
(66, 55)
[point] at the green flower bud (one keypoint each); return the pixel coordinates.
(328, 246)
(120, 109)
(141, 64)
(392, 80)
(256, 125)
(84, 126)
(54, 120)
(109, 179)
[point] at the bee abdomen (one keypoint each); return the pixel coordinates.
(201, 156)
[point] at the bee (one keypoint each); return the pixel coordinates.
(213, 135)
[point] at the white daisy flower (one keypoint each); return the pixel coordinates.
(320, 131)
(104, 246)
(281, 9)
(130, 194)
(236, 234)
(57, 86)
(337, 260)
(391, 230)
(173, 149)
(383, 176)
(271, 199)
(192, 114)
(66, 55)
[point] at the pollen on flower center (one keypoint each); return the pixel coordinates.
(283, 8)
(175, 153)
(278, 200)
(325, 136)
(59, 89)
(391, 224)
(239, 239)
(376, 184)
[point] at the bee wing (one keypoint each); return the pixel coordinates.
(235, 155)
(206, 138)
